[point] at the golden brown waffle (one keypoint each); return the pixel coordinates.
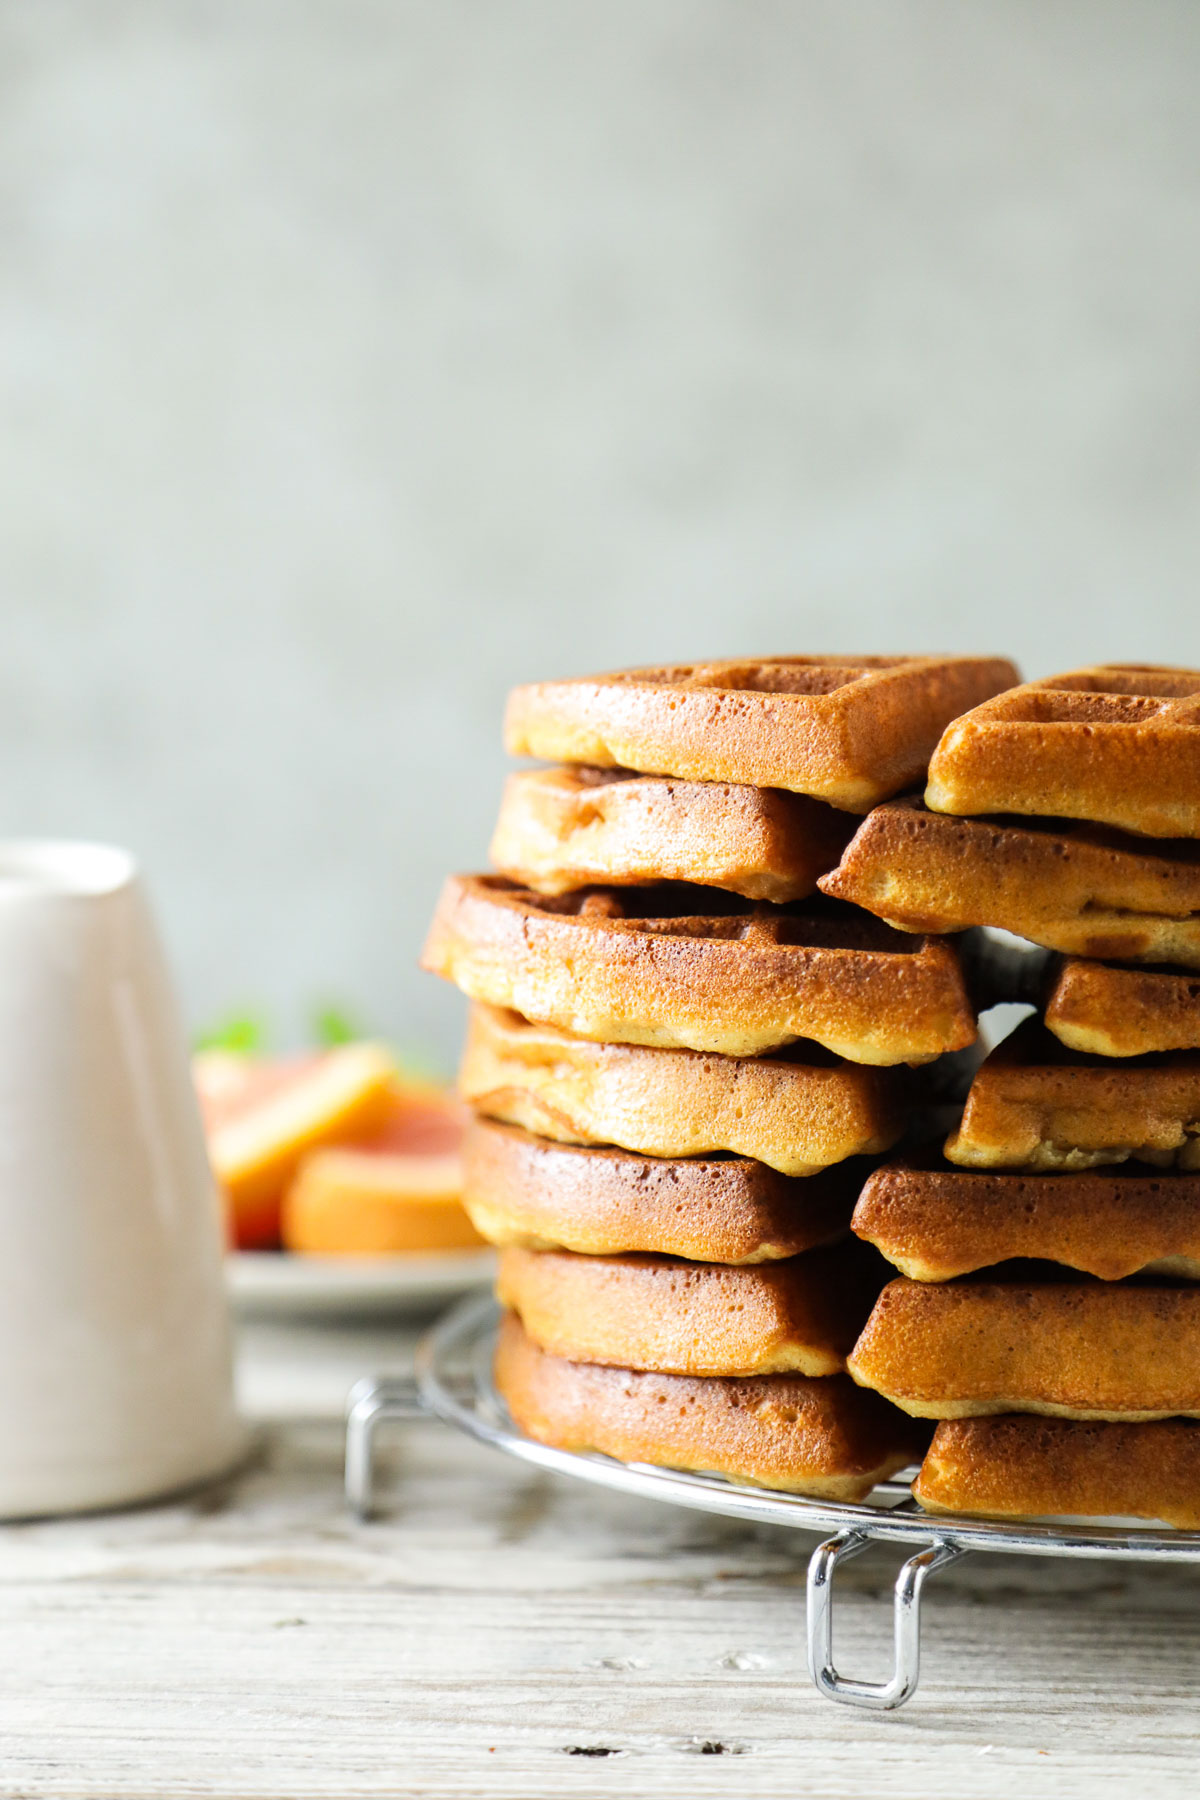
(567, 828)
(1018, 1466)
(647, 966)
(528, 1191)
(1119, 744)
(1110, 1011)
(822, 1436)
(1084, 889)
(1078, 1350)
(849, 730)
(935, 1222)
(1036, 1105)
(687, 1318)
(798, 1116)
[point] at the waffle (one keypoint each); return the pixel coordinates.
(1083, 889)
(824, 1437)
(1118, 744)
(1081, 1350)
(1036, 1105)
(567, 828)
(685, 1318)
(645, 966)
(796, 1116)
(540, 1195)
(1112, 1011)
(935, 1222)
(850, 730)
(1022, 1467)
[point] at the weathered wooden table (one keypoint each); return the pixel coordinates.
(502, 1632)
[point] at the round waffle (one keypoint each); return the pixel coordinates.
(683, 1318)
(648, 966)
(527, 1191)
(850, 730)
(567, 828)
(823, 1437)
(797, 1116)
(1078, 1350)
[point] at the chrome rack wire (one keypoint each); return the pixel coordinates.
(452, 1381)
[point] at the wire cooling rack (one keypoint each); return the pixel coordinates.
(452, 1381)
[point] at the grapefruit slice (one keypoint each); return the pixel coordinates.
(262, 1120)
(421, 1120)
(396, 1192)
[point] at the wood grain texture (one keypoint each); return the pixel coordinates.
(498, 1632)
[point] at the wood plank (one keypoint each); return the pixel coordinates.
(500, 1629)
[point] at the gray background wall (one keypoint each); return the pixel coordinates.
(360, 357)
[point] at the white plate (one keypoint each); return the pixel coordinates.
(270, 1281)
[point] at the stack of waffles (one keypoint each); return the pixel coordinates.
(682, 1058)
(1068, 812)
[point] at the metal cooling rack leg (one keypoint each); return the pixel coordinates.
(373, 1401)
(880, 1695)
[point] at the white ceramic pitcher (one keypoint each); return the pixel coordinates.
(115, 1372)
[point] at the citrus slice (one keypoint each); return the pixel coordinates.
(400, 1190)
(263, 1119)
